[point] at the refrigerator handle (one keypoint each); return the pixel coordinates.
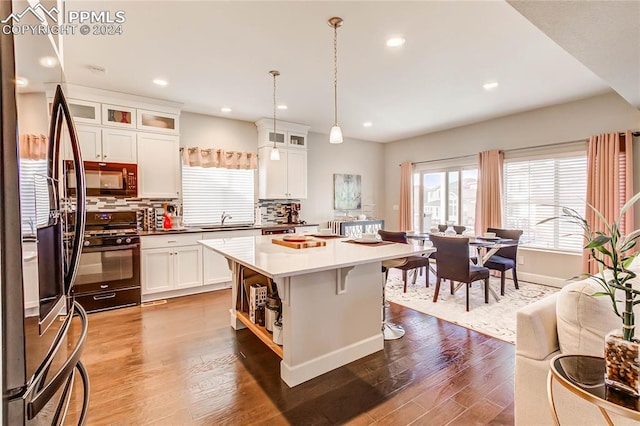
(62, 115)
(37, 400)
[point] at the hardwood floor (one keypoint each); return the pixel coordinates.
(181, 363)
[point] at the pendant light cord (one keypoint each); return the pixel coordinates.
(335, 73)
(274, 109)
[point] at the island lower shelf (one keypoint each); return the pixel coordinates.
(261, 332)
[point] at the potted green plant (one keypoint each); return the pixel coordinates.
(614, 252)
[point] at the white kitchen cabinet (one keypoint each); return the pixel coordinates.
(157, 270)
(187, 263)
(103, 145)
(288, 135)
(30, 277)
(157, 121)
(119, 146)
(86, 112)
(90, 140)
(171, 262)
(216, 268)
(284, 178)
(158, 166)
(118, 116)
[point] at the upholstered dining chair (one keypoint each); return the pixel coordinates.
(458, 228)
(453, 264)
(412, 262)
(505, 258)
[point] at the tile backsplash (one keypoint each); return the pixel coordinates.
(274, 211)
(124, 204)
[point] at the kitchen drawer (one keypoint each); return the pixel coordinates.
(110, 299)
(172, 240)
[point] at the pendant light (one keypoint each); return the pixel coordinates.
(275, 153)
(336, 133)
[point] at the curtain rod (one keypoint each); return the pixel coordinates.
(635, 134)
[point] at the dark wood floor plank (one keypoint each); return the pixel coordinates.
(181, 363)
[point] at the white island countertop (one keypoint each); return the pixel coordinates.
(275, 261)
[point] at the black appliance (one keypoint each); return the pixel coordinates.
(109, 270)
(33, 379)
(278, 230)
(105, 179)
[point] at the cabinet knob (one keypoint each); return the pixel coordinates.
(97, 155)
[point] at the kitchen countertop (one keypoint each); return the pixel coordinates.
(231, 227)
(276, 261)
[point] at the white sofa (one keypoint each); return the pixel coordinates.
(569, 322)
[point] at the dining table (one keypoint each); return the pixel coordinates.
(484, 247)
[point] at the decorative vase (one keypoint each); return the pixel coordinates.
(125, 118)
(622, 363)
(450, 231)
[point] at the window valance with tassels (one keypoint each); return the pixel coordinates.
(33, 147)
(212, 157)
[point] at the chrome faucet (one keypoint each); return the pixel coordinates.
(224, 217)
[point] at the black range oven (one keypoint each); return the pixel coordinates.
(109, 271)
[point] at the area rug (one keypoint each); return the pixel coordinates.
(497, 319)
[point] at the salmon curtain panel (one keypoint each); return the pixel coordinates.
(211, 157)
(406, 188)
(489, 191)
(33, 147)
(609, 184)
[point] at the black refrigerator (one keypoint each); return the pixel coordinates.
(40, 388)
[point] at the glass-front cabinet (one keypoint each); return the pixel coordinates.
(119, 116)
(157, 121)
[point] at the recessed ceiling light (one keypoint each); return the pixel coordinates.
(225, 109)
(282, 106)
(367, 124)
(160, 82)
(395, 41)
(490, 85)
(48, 61)
(22, 82)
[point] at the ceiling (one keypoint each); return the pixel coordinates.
(217, 54)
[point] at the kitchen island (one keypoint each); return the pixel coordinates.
(331, 298)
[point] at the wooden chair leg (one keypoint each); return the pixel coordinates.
(404, 278)
(435, 294)
(515, 278)
(502, 276)
(451, 285)
(426, 277)
(486, 290)
(467, 286)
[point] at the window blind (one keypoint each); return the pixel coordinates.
(536, 188)
(208, 192)
(34, 195)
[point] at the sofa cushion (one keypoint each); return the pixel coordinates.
(584, 319)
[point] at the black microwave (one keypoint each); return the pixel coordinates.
(105, 179)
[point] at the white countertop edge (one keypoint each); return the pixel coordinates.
(416, 250)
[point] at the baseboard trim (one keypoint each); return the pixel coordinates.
(184, 292)
(542, 279)
(298, 374)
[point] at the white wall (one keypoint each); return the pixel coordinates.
(32, 113)
(353, 156)
(217, 132)
(556, 124)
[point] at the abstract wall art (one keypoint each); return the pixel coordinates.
(347, 192)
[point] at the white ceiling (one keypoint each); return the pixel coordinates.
(218, 54)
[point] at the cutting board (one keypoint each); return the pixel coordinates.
(299, 244)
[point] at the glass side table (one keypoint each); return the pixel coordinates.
(584, 376)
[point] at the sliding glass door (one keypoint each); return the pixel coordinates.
(444, 195)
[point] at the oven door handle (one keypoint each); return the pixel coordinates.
(109, 248)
